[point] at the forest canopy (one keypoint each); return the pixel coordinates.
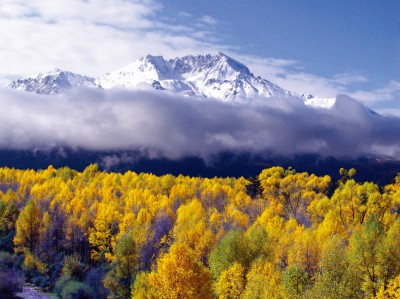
(281, 234)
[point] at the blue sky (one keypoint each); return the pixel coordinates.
(317, 46)
(327, 37)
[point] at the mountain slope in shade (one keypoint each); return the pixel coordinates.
(219, 77)
(54, 81)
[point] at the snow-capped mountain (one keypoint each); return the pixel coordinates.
(54, 81)
(219, 77)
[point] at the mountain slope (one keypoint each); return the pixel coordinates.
(54, 81)
(219, 77)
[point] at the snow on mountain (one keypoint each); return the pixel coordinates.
(318, 102)
(205, 76)
(219, 77)
(54, 81)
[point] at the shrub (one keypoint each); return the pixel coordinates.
(74, 267)
(32, 267)
(7, 261)
(61, 283)
(41, 281)
(77, 290)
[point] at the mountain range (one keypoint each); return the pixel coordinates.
(218, 77)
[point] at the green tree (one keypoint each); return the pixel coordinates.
(365, 253)
(295, 282)
(336, 278)
(120, 278)
(231, 249)
(8, 217)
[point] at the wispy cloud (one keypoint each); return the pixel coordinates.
(389, 92)
(184, 14)
(348, 78)
(208, 20)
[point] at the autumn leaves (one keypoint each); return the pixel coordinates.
(141, 236)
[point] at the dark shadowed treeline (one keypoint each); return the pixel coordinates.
(281, 234)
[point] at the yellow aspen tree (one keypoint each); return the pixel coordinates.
(191, 229)
(231, 283)
(142, 288)
(262, 281)
(180, 275)
(102, 236)
(305, 251)
(391, 291)
(28, 228)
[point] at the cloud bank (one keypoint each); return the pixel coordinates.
(165, 125)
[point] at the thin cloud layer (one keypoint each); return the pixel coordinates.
(159, 124)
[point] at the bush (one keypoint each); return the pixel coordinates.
(77, 290)
(33, 267)
(6, 241)
(61, 283)
(41, 281)
(74, 267)
(7, 261)
(11, 283)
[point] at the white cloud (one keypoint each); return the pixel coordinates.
(290, 75)
(389, 112)
(162, 124)
(89, 37)
(348, 78)
(387, 93)
(125, 14)
(208, 20)
(184, 14)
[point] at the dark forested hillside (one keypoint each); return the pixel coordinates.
(227, 164)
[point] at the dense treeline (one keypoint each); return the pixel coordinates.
(281, 235)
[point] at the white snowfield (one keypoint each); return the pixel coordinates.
(219, 77)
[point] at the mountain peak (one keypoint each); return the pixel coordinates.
(153, 59)
(52, 81)
(234, 64)
(206, 76)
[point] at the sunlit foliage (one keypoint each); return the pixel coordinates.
(282, 234)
